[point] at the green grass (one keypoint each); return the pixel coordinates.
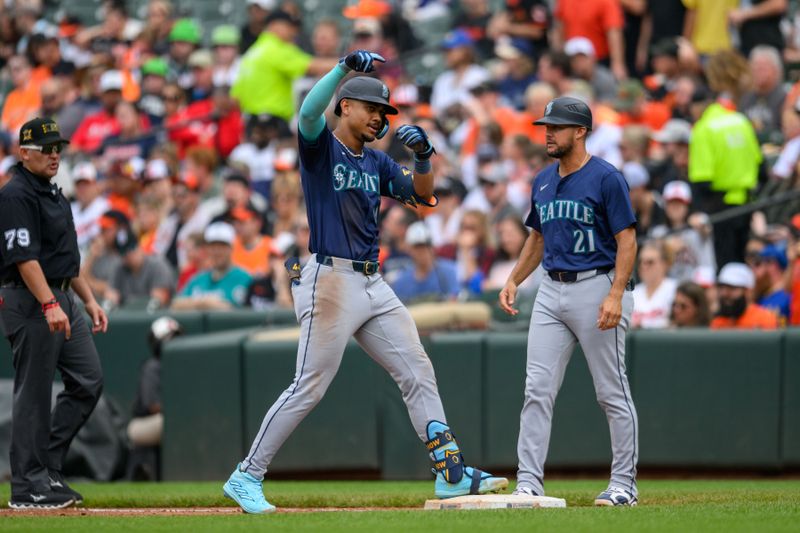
(666, 505)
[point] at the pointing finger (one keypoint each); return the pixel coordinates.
(67, 329)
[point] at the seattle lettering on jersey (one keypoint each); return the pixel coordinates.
(345, 177)
(565, 209)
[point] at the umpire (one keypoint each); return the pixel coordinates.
(41, 319)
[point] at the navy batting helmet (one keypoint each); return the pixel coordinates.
(365, 89)
(566, 111)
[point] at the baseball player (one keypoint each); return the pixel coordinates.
(339, 293)
(583, 231)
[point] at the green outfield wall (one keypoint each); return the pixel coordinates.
(709, 400)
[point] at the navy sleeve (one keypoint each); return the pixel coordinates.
(19, 226)
(617, 202)
(311, 120)
(533, 217)
(313, 154)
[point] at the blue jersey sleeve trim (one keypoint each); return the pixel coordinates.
(311, 121)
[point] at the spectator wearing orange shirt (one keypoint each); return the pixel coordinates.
(484, 106)
(252, 251)
(23, 102)
(600, 21)
(735, 285)
(636, 110)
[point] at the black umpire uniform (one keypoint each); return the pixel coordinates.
(41, 319)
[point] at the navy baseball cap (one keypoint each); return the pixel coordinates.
(566, 111)
(365, 89)
(40, 131)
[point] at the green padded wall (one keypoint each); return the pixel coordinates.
(708, 399)
(232, 319)
(124, 347)
(202, 392)
(339, 434)
(790, 412)
(503, 389)
(278, 317)
(458, 362)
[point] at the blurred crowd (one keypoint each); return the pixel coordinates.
(183, 160)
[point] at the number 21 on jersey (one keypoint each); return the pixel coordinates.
(584, 241)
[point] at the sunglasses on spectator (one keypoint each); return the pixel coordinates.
(486, 183)
(47, 149)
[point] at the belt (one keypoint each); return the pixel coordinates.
(364, 267)
(571, 277)
(62, 284)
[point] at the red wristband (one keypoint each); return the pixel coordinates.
(49, 305)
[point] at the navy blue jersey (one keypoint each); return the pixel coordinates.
(579, 214)
(343, 196)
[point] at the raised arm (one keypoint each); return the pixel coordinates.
(311, 120)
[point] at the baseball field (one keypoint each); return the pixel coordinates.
(666, 505)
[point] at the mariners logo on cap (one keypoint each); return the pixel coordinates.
(548, 108)
(385, 91)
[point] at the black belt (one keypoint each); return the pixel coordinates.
(364, 267)
(571, 277)
(62, 284)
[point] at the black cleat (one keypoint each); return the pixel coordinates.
(59, 485)
(40, 500)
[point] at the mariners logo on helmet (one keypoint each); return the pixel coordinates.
(566, 111)
(366, 89)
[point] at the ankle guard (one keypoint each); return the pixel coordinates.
(444, 452)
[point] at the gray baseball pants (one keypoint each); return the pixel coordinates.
(334, 303)
(563, 314)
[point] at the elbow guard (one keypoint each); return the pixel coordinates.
(401, 188)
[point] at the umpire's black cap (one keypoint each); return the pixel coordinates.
(366, 89)
(40, 131)
(566, 111)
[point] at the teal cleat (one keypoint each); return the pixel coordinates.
(475, 482)
(453, 478)
(247, 491)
